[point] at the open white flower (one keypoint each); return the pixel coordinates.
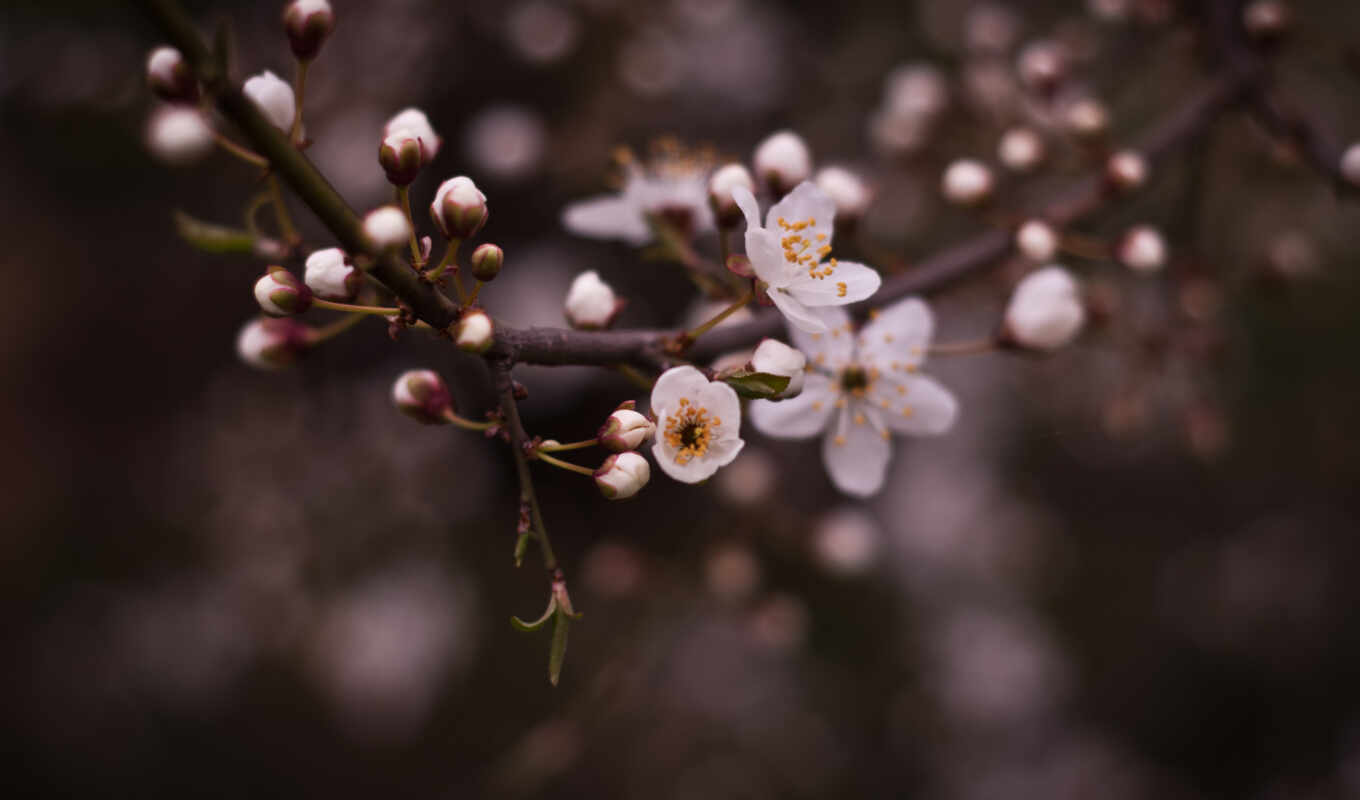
(698, 424)
(788, 252)
(671, 187)
(859, 390)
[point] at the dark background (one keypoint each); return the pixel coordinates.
(1128, 572)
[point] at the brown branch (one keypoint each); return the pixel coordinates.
(645, 347)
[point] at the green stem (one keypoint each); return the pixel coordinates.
(689, 336)
(334, 329)
(559, 448)
(633, 374)
(527, 497)
(965, 348)
(465, 423)
(567, 465)
(245, 154)
(353, 309)
(404, 197)
(286, 226)
(300, 90)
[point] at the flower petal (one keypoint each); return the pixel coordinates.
(806, 202)
(797, 314)
(607, 217)
(749, 208)
(722, 403)
(762, 248)
(897, 335)
(849, 283)
(830, 351)
(915, 404)
(674, 384)
(797, 417)
(856, 451)
(692, 471)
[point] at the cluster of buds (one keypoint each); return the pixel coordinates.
(178, 133)
(624, 473)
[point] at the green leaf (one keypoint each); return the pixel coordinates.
(558, 653)
(530, 627)
(757, 385)
(212, 238)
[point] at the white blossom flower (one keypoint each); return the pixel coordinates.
(773, 357)
(1036, 240)
(1143, 249)
(387, 227)
(179, 135)
(330, 276)
(412, 122)
(1045, 311)
(782, 161)
(787, 254)
(860, 389)
(698, 424)
(622, 475)
(274, 97)
(671, 188)
(591, 303)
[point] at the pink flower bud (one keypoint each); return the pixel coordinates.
(1142, 249)
(274, 97)
(486, 262)
(330, 276)
(179, 135)
(1087, 118)
(783, 161)
(622, 475)
(625, 429)
(1126, 170)
(413, 122)
(474, 331)
(966, 182)
(280, 294)
(1036, 241)
(308, 24)
(720, 186)
(423, 396)
(387, 227)
(459, 208)
(1020, 149)
(590, 303)
(399, 155)
(169, 76)
(1042, 65)
(272, 343)
(1045, 311)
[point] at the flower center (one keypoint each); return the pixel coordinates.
(689, 431)
(805, 249)
(856, 381)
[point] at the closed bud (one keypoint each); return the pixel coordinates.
(590, 303)
(773, 357)
(281, 294)
(625, 429)
(474, 331)
(1142, 249)
(308, 24)
(1266, 20)
(169, 76)
(622, 475)
(783, 161)
(1020, 149)
(330, 276)
(1036, 241)
(423, 396)
(274, 97)
(1087, 119)
(1126, 170)
(1042, 65)
(459, 208)
(486, 262)
(272, 343)
(399, 155)
(387, 227)
(847, 191)
(720, 186)
(967, 182)
(179, 135)
(413, 122)
(1350, 164)
(1045, 311)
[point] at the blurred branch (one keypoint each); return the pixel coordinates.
(531, 524)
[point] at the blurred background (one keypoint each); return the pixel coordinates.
(1127, 572)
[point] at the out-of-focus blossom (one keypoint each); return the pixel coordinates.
(413, 123)
(542, 32)
(591, 304)
(720, 186)
(1142, 249)
(474, 332)
(1350, 164)
(990, 29)
(1020, 149)
(846, 541)
(387, 227)
(966, 182)
(698, 424)
(860, 390)
(1036, 240)
(1045, 311)
(846, 190)
(179, 135)
(1266, 19)
(308, 23)
(1042, 64)
(671, 188)
(731, 572)
(506, 142)
(787, 254)
(782, 161)
(272, 343)
(169, 76)
(1126, 170)
(274, 97)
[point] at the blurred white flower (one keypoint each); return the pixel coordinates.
(860, 389)
(274, 97)
(506, 142)
(1036, 240)
(846, 541)
(387, 227)
(966, 182)
(1127, 170)
(1350, 164)
(782, 161)
(179, 135)
(698, 424)
(591, 303)
(670, 188)
(542, 32)
(787, 254)
(1020, 149)
(846, 190)
(1045, 311)
(1142, 249)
